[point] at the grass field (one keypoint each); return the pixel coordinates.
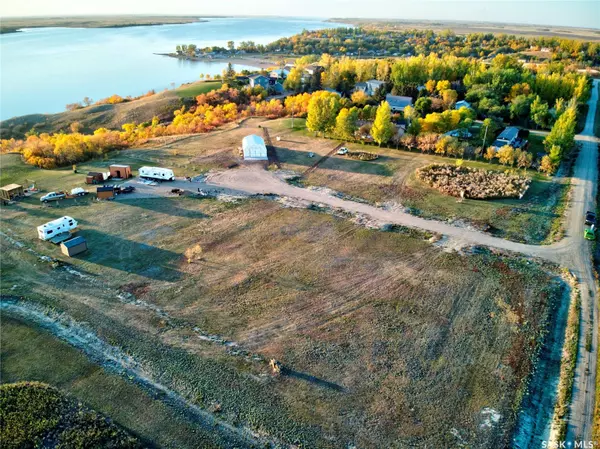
(387, 341)
(33, 354)
(196, 89)
(391, 180)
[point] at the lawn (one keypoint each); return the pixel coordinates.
(386, 340)
(197, 88)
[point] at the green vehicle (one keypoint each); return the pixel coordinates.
(589, 233)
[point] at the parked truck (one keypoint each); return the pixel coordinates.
(53, 196)
(56, 227)
(157, 173)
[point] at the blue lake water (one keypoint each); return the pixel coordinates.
(43, 69)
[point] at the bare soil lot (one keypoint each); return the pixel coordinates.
(386, 340)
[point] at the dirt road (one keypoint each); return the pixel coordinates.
(573, 252)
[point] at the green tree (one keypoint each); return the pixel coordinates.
(562, 134)
(231, 46)
(383, 128)
(488, 131)
(423, 106)
(346, 123)
(229, 73)
(323, 108)
(539, 112)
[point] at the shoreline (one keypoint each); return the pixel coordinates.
(260, 63)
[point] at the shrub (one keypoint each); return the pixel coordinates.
(474, 183)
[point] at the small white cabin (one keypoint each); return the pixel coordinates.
(158, 173)
(254, 148)
(56, 227)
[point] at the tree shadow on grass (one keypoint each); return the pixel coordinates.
(313, 380)
(129, 256)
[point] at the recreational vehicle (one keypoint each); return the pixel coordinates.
(157, 173)
(56, 227)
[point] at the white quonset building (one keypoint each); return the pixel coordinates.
(254, 148)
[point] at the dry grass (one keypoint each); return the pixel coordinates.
(385, 340)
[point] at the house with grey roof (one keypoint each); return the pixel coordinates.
(398, 103)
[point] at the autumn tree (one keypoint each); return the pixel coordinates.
(539, 112)
(322, 111)
(346, 123)
(383, 128)
(546, 165)
(506, 155)
(294, 80)
(359, 98)
(442, 85)
(449, 98)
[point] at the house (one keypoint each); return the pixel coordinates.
(462, 104)
(259, 80)
(105, 192)
(254, 148)
(120, 171)
(11, 191)
(370, 87)
(280, 73)
(73, 246)
(313, 68)
(398, 103)
(333, 91)
(509, 136)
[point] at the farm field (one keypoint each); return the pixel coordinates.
(385, 339)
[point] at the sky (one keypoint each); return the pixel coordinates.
(575, 13)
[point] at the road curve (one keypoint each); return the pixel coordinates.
(572, 252)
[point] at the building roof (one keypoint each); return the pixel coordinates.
(397, 101)
(253, 139)
(258, 75)
(461, 103)
(10, 187)
(509, 133)
(105, 189)
(73, 242)
(120, 166)
(374, 81)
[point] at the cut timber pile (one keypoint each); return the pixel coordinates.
(473, 183)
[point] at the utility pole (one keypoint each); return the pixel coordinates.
(484, 137)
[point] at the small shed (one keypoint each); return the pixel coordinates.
(11, 191)
(105, 192)
(254, 148)
(73, 246)
(120, 171)
(94, 177)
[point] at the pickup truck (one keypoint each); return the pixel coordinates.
(53, 196)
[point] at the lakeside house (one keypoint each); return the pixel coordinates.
(397, 102)
(280, 73)
(259, 80)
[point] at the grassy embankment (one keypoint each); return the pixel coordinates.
(11, 25)
(34, 414)
(536, 218)
(32, 354)
(365, 321)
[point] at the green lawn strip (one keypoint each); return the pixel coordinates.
(31, 354)
(197, 88)
(567, 369)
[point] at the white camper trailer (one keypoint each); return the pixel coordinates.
(158, 173)
(56, 227)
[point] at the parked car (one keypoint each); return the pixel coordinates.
(311, 154)
(126, 189)
(589, 233)
(590, 218)
(460, 133)
(342, 151)
(53, 196)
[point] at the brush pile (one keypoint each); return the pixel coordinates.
(361, 155)
(473, 183)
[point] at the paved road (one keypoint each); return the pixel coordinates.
(572, 252)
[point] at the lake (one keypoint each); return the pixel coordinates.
(43, 69)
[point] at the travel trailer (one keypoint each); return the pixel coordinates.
(56, 227)
(157, 173)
